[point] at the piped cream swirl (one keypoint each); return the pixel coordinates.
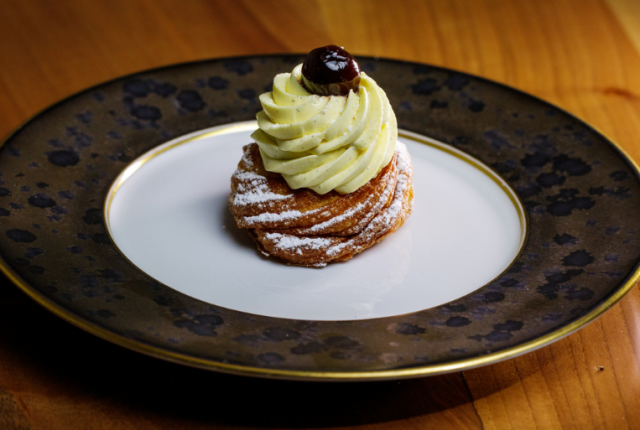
(325, 142)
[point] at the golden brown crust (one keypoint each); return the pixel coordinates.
(303, 228)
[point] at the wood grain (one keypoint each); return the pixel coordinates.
(583, 56)
(628, 14)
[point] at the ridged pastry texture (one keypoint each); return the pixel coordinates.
(301, 227)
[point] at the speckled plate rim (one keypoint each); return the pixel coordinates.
(625, 286)
(429, 370)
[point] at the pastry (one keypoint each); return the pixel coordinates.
(326, 177)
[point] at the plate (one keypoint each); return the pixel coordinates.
(168, 214)
(580, 191)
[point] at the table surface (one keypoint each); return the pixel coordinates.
(581, 55)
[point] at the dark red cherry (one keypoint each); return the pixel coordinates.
(330, 70)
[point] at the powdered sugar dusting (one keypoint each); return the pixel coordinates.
(272, 217)
(257, 192)
(246, 157)
(335, 249)
(290, 242)
(404, 162)
(404, 172)
(337, 219)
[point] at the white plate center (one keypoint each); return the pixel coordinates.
(168, 214)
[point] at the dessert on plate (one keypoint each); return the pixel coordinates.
(326, 177)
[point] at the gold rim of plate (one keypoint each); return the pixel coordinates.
(426, 370)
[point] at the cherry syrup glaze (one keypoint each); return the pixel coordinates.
(330, 70)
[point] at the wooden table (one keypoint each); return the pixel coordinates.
(581, 55)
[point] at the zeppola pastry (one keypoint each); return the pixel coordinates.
(326, 177)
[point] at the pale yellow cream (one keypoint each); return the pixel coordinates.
(325, 142)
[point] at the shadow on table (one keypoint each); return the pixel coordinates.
(51, 356)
